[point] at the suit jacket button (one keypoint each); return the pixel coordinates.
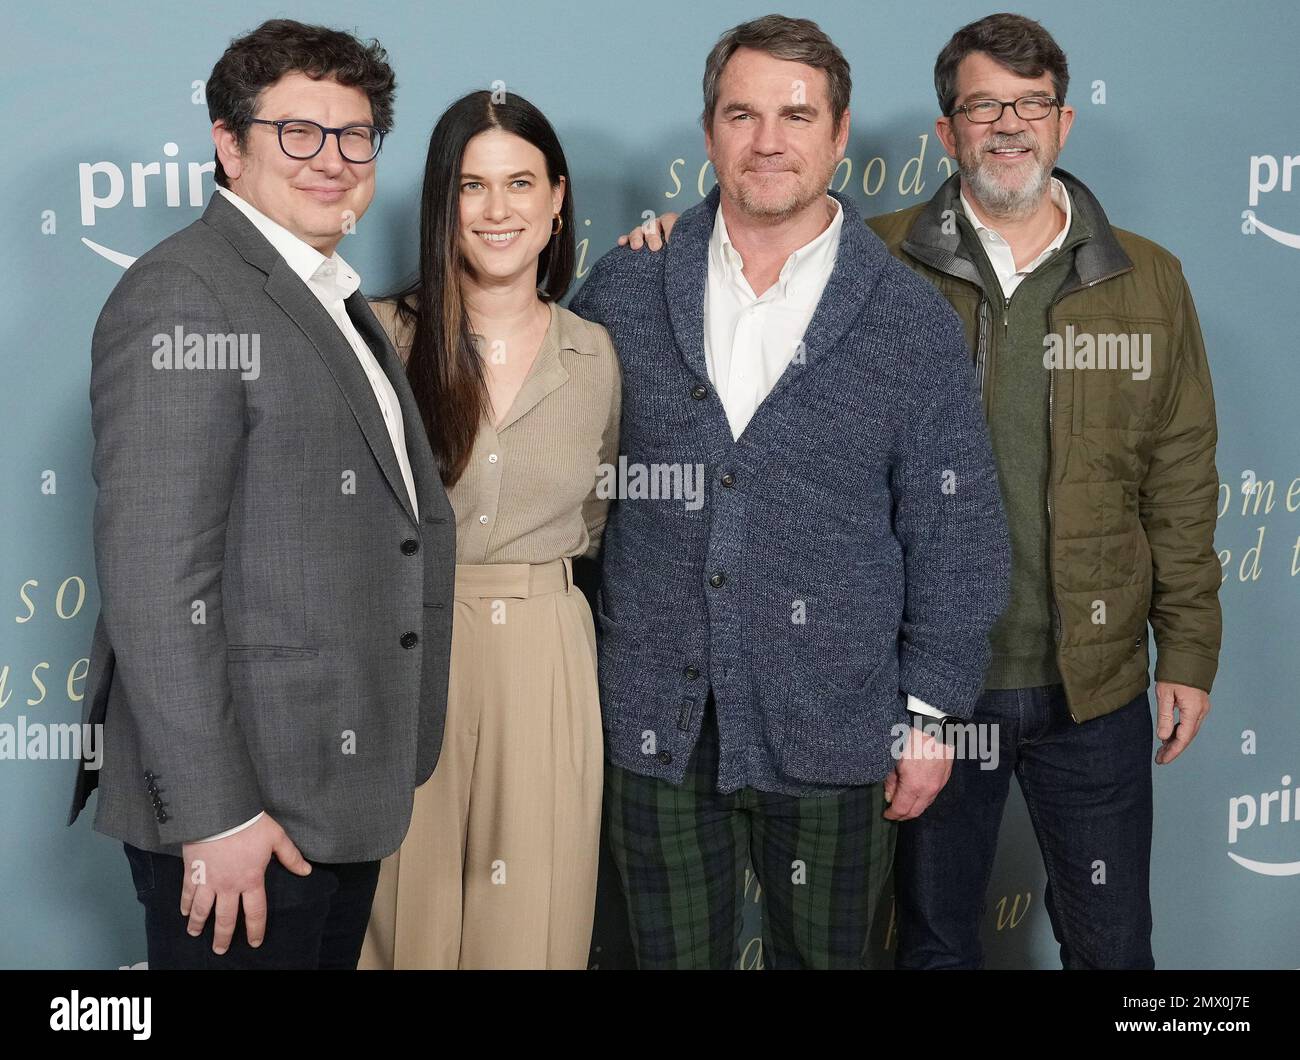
(699, 392)
(409, 640)
(664, 757)
(162, 817)
(410, 547)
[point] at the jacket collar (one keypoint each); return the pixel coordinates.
(240, 232)
(939, 244)
(293, 296)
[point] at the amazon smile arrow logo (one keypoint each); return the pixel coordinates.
(1253, 224)
(115, 256)
(1246, 812)
(1269, 173)
(1267, 868)
(103, 186)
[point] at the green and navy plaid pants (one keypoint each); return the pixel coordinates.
(822, 863)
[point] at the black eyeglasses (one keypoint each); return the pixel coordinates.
(987, 111)
(303, 139)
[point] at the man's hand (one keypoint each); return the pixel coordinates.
(919, 776)
(654, 233)
(224, 871)
(1193, 707)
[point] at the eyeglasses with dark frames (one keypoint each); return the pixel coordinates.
(303, 139)
(987, 111)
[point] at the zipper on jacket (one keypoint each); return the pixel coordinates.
(982, 349)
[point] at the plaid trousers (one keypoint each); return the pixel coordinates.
(822, 863)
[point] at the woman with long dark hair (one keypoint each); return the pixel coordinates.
(520, 399)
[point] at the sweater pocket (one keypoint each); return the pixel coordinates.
(841, 735)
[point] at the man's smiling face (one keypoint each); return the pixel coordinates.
(313, 198)
(1005, 165)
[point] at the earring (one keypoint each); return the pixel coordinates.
(557, 225)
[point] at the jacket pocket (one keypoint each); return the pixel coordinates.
(261, 652)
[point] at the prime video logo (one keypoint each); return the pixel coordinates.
(103, 186)
(1248, 811)
(1268, 173)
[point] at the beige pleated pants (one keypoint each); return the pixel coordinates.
(498, 869)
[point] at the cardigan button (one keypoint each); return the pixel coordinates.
(718, 580)
(691, 673)
(728, 480)
(664, 757)
(699, 392)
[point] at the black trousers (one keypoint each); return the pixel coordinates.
(313, 921)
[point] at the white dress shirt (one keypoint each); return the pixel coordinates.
(998, 250)
(332, 280)
(749, 339)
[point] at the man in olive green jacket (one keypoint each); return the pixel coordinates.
(1101, 412)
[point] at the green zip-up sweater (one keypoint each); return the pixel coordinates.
(1023, 642)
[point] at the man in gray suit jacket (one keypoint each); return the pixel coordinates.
(274, 548)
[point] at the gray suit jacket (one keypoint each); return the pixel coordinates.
(275, 624)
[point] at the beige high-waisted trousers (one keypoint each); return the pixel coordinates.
(498, 869)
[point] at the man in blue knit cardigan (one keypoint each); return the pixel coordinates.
(761, 652)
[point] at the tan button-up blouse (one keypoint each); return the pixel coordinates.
(528, 493)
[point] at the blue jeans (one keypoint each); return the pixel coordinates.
(1088, 790)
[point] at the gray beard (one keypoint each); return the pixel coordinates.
(1009, 202)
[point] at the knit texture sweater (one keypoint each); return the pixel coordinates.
(850, 548)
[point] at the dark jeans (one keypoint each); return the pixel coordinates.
(1088, 790)
(313, 921)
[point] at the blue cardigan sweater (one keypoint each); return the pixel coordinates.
(851, 547)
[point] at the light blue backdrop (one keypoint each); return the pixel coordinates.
(1178, 104)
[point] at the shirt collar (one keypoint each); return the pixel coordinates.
(1060, 196)
(823, 247)
(308, 264)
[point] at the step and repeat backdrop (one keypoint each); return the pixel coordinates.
(1186, 131)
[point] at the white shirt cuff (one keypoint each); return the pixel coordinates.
(230, 831)
(919, 706)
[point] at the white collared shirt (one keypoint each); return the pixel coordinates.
(998, 249)
(332, 280)
(749, 340)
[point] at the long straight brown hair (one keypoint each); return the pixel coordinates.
(444, 367)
